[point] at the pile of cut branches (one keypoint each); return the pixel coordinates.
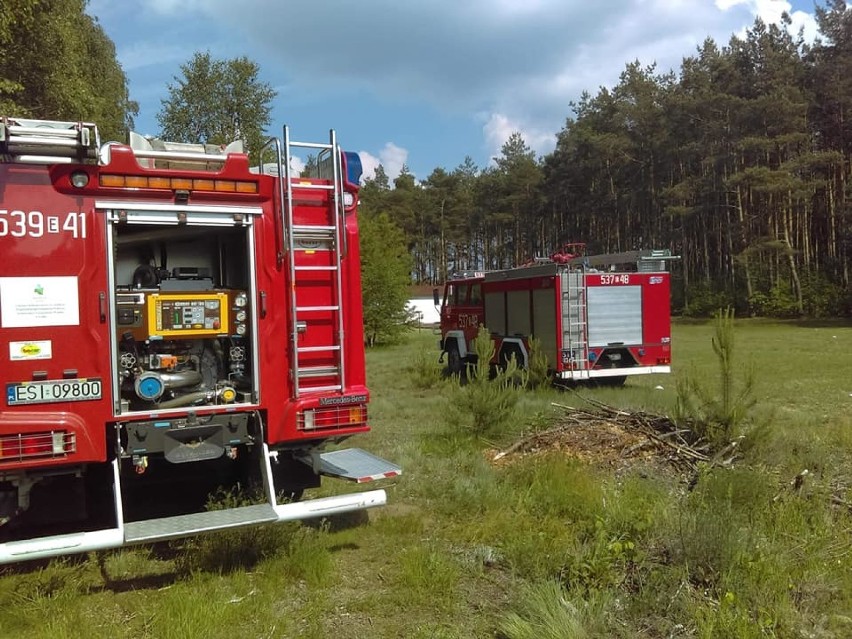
(677, 444)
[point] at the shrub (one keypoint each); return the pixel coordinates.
(703, 299)
(822, 298)
(718, 413)
(778, 302)
(424, 369)
(486, 403)
(538, 371)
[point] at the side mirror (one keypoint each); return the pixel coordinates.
(435, 297)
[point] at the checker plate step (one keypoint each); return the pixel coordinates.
(356, 465)
(183, 525)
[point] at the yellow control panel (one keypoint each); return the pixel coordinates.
(187, 315)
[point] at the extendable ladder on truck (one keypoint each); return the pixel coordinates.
(574, 316)
(48, 141)
(316, 366)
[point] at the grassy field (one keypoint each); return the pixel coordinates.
(545, 545)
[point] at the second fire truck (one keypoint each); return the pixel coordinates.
(173, 321)
(597, 317)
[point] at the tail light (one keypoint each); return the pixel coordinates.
(333, 417)
(23, 446)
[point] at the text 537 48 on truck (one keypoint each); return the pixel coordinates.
(596, 317)
(173, 321)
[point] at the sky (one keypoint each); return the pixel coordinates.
(422, 83)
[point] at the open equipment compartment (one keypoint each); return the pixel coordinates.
(183, 329)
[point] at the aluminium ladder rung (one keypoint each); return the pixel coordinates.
(327, 238)
(318, 371)
(318, 349)
(318, 233)
(309, 309)
(314, 268)
(313, 187)
(312, 228)
(322, 389)
(313, 145)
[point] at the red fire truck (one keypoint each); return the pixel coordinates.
(173, 321)
(597, 317)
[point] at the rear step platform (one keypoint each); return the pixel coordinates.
(181, 525)
(356, 465)
(353, 464)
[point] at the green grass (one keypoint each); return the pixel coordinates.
(546, 546)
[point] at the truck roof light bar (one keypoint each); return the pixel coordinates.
(118, 181)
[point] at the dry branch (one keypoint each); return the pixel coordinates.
(679, 444)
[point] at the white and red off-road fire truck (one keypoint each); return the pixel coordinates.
(173, 321)
(597, 317)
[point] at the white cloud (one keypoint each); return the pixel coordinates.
(369, 164)
(499, 127)
(297, 164)
(497, 130)
(391, 157)
(149, 53)
(770, 11)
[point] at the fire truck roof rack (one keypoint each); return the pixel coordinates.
(48, 141)
(574, 255)
(466, 275)
(644, 260)
(183, 155)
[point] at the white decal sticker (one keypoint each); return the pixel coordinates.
(35, 349)
(39, 301)
(618, 278)
(36, 224)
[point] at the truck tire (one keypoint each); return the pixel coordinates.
(455, 366)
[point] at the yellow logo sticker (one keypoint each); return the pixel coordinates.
(30, 350)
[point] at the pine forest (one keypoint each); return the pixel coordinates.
(739, 162)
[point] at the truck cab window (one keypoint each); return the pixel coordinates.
(476, 294)
(461, 294)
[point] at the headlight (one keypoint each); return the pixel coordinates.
(79, 179)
